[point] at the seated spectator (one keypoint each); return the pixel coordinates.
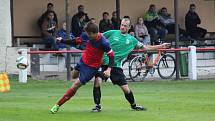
(169, 22)
(50, 7)
(141, 32)
(131, 30)
(155, 26)
(62, 36)
(191, 23)
(114, 21)
(105, 23)
(78, 24)
(93, 20)
(49, 28)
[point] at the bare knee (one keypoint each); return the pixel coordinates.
(125, 89)
(75, 74)
(97, 82)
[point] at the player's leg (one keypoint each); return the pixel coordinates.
(69, 93)
(97, 94)
(130, 98)
(97, 89)
(117, 77)
(86, 73)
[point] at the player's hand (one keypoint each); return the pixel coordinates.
(107, 72)
(165, 45)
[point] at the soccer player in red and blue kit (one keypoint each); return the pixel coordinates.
(90, 62)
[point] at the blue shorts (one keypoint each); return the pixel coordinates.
(86, 73)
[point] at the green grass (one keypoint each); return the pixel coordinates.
(165, 101)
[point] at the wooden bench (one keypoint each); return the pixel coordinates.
(27, 40)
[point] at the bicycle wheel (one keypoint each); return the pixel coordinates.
(137, 69)
(166, 66)
(125, 67)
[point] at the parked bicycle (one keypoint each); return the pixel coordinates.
(140, 66)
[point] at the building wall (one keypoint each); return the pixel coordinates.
(26, 12)
(5, 34)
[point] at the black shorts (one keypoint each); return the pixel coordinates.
(117, 76)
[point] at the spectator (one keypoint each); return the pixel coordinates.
(49, 30)
(50, 7)
(141, 32)
(105, 23)
(76, 18)
(114, 21)
(191, 23)
(78, 24)
(155, 26)
(62, 36)
(131, 30)
(93, 20)
(169, 22)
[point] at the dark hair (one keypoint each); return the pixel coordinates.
(192, 5)
(50, 4)
(127, 17)
(163, 8)
(105, 13)
(152, 5)
(91, 28)
(80, 6)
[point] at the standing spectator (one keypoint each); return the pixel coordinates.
(191, 21)
(114, 21)
(155, 26)
(49, 31)
(76, 18)
(78, 24)
(105, 23)
(141, 32)
(50, 7)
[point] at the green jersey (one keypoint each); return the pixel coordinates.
(121, 44)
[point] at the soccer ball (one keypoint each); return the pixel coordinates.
(22, 62)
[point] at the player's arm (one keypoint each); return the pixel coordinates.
(110, 55)
(152, 47)
(75, 41)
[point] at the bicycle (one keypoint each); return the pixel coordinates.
(139, 66)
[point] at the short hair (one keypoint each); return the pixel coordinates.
(163, 8)
(50, 4)
(80, 6)
(192, 5)
(91, 28)
(105, 13)
(127, 19)
(152, 5)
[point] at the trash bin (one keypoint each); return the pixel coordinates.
(184, 63)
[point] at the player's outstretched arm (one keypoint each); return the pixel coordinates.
(152, 47)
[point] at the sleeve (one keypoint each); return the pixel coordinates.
(140, 45)
(109, 51)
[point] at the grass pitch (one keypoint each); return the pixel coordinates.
(165, 101)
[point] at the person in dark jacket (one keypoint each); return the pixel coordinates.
(191, 23)
(105, 24)
(50, 7)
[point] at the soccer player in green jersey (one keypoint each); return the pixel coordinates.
(122, 44)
